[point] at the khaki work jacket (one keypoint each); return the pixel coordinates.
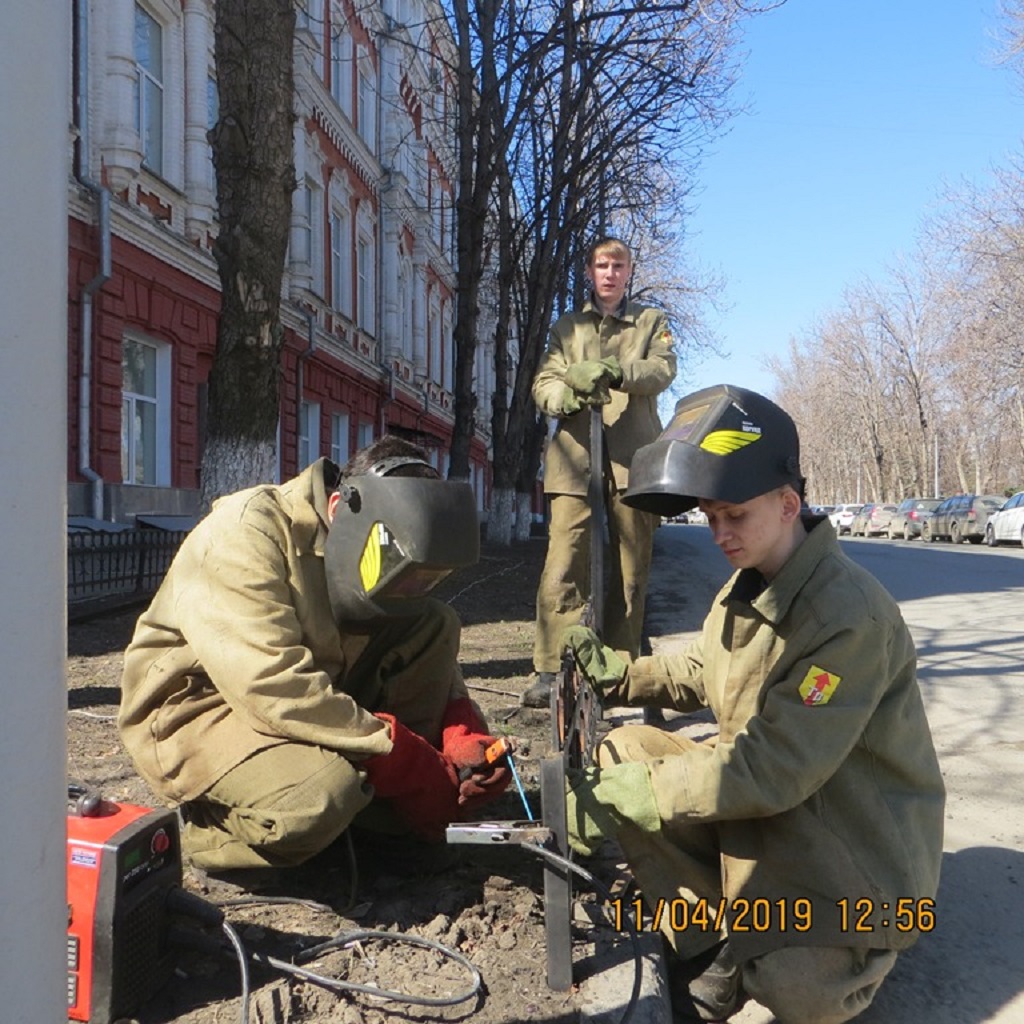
(239, 649)
(639, 337)
(823, 782)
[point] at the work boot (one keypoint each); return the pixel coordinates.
(538, 694)
(706, 987)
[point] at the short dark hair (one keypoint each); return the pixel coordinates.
(607, 242)
(390, 446)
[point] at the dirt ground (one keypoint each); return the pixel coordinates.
(485, 903)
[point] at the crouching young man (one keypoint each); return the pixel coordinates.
(802, 843)
(291, 670)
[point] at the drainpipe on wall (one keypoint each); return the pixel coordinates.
(103, 275)
(300, 365)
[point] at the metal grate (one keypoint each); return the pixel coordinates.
(111, 568)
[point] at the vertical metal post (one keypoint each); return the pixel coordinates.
(595, 497)
(557, 883)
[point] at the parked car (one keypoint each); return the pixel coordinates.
(1006, 525)
(842, 516)
(961, 517)
(859, 524)
(909, 515)
(878, 522)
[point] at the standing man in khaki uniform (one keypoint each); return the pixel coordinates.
(290, 668)
(616, 355)
(795, 854)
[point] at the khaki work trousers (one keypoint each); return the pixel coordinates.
(800, 985)
(286, 803)
(565, 580)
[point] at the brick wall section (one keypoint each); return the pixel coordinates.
(159, 301)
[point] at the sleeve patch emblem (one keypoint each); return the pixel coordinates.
(818, 686)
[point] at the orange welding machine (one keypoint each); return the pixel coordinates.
(122, 861)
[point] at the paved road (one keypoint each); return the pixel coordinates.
(965, 608)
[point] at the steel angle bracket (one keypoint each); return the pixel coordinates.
(498, 833)
(575, 712)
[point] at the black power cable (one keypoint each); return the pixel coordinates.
(182, 902)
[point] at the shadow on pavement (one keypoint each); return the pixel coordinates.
(969, 968)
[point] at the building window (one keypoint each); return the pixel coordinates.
(339, 438)
(341, 61)
(145, 408)
(366, 120)
(148, 88)
(341, 271)
(434, 355)
(365, 285)
(309, 433)
(405, 307)
(364, 436)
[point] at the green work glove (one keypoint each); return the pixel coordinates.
(614, 368)
(572, 403)
(585, 377)
(599, 801)
(603, 668)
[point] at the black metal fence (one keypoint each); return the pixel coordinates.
(110, 569)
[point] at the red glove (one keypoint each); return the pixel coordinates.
(464, 743)
(420, 781)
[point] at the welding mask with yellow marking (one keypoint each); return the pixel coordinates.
(723, 444)
(394, 538)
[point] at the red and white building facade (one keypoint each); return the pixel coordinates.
(368, 302)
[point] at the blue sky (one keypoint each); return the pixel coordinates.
(860, 113)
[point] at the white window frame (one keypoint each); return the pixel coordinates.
(364, 434)
(406, 277)
(160, 401)
(341, 60)
(435, 362)
(366, 100)
(341, 259)
(448, 344)
(308, 433)
(366, 284)
(144, 77)
(340, 438)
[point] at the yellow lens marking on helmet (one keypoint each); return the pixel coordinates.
(725, 442)
(369, 563)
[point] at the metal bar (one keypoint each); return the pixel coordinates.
(557, 882)
(595, 497)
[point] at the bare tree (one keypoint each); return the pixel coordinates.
(587, 116)
(254, 160)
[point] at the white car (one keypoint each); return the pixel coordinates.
(1006, 524)
(841, 517)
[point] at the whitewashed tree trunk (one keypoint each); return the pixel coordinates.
(502, 516)
(524, 516)
(234, 463)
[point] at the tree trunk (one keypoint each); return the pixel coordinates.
(254, 160)
(524, 516)
(501, 518)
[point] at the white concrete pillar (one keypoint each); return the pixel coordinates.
(419, 315)
(35, 110)
(199, 184)
(122, 147)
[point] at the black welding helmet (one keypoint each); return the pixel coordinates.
(394, 538)
(723, 444)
